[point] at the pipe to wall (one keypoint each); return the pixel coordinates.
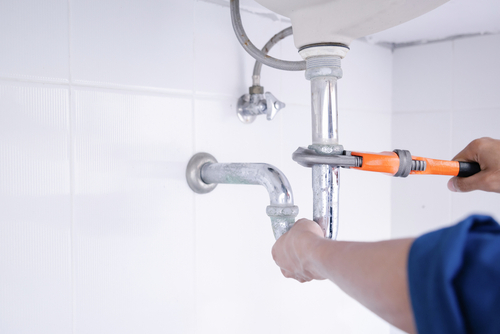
(203, 173)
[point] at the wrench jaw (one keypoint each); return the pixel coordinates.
(307, 157)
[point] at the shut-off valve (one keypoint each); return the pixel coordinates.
(258, 103)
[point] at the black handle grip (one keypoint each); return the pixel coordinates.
(468, 168)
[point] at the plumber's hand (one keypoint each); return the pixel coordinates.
(486, 152)
(295, 250)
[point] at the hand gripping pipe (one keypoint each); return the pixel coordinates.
(203, 173)
(252, 49)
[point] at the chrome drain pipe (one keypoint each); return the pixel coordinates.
(323, 70)
(203, 173)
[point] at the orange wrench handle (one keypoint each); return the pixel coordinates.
(438, 167)
(384, 162)
(388, 162)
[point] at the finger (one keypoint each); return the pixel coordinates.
(287, 274)
(462, 184)
(467, 184)
(302, 279)
(310, 226)
(467, 154)
(472, 151)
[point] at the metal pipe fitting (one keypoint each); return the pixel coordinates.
(252, 50)
(203, 169)
(249, 106)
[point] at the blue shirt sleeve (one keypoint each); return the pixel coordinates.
(454, 278)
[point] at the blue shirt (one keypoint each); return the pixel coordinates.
(454, 278)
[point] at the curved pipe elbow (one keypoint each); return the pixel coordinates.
(281, 210)
(275, 182)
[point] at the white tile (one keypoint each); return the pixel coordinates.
(148, 43)
(476, 72)
(35, 245)
(423, 77)
(295, 88)
(472, 124)
(134, 223)
(34, 39)
(421, 203)
(476, 202)
(365, 130)
(219, 132)
(367, 81)
(426, 134)
(221, 64)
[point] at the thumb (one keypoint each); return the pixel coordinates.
(463, 184)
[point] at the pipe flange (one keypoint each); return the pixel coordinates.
(193, 173)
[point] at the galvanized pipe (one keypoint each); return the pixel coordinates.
(281, 210)
(325, 183)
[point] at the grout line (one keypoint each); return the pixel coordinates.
(110, 87)
(72, 178)
(193, 150)
(410, 112)
(27, 82)
(439, 40)
(451, 118)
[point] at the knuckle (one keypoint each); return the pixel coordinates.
(480, 143)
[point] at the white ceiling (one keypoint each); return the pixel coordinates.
(455, 18)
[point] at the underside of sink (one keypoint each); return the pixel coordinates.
(341, 21)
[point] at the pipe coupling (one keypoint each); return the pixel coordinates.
(282, 218)
(323, 66)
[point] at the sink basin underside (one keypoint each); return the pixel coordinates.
(341, 21)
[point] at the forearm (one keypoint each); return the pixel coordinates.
(373, 273)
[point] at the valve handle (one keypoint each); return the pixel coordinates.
(273, 105)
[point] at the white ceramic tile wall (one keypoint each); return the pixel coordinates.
(99, 232)
(445, 95)
(34, 40)
(136, 43)
(35, 209)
